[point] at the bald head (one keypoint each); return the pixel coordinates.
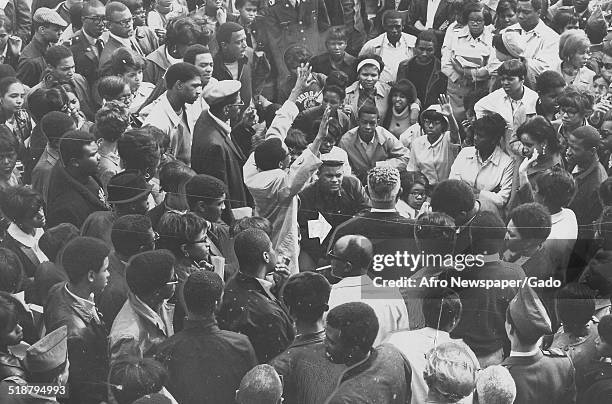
(357, 250)
(88, 6)
(261, 385)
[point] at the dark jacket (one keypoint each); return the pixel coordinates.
(322, 64)
(87, 345)
(156, 64)
(19, 13)
(86, 58)
(12, 56)
(10, 365)
(383, 377)
(599, 388)
(482, 324)
(221, 72)
(436, 84)
(114, 295)
(336, 209)
(586, 203)
(104, 67)
(389, 232)
(213, 152)
(546, 377)
(250, 310)
(69, 201)
(308, 376)
(205, 363)
(32, 63)
(418, 12)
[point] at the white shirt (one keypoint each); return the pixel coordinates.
(432, 8)
(28, 240)
(433, 160)
(386, 302)
(564, 225)
(391, 55)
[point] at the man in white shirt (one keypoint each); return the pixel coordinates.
(393, 46)
(350, 259)
(541, 51)
(175, 113)
(515, 102)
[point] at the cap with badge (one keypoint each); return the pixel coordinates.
(528, 314)
(224, 88)
(45, 15)
(127, 186)
(49, 352)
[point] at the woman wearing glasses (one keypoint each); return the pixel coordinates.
(414, 199)
(184, 235)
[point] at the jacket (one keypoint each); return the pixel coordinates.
(249, 309)
(586, 203)
(32, 63)
(546, 377)
(156, 64)
(87, 346)
(221, 72)
(383, 377)
(104, 65)
(20, 15)
(418, 12)
(286, 25)
(69, 201)
(382, 93)
(308, 376)
(192, 357)
(436, 84)
(86, 58)
(138, 330)
(322, 64)
(113, 297)
(214, 153)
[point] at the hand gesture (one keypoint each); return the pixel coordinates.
(324, 122)
(603, 107)
(304, 77)
(250, 117)
(445, 105)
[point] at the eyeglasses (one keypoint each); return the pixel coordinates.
(569, 112)
(331, 255)
(238, 104)
(422, 194)
(95, 20)
(126, 23)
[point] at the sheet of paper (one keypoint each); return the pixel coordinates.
(239, 213)
(319, 228)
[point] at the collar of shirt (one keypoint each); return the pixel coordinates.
(123, 41)
(174, 118)
(392, 210)
(464, 32)
(436, 143)
(493, 158)
(524, 354)
(171, 59)
(557, 217)
(91, 40)
(224, 125)
(378, 137)
(88, 305)
(490, 258)
(400, 43)
(26, 239)
(146, 312)
(52, 155)
(536, 31)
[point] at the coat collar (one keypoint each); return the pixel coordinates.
(71, 183)
(523, 360)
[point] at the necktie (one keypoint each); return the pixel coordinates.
(136, 48)
(99, 46)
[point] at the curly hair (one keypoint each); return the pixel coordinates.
(111, 121)
(383, 183)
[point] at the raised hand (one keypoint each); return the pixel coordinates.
(445, 105)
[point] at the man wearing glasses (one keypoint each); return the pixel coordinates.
(86, 44)
(121, 29)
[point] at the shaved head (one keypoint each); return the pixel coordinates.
(356, 249)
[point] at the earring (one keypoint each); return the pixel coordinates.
(544, 150)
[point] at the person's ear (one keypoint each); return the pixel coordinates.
(349, 267)
(183, 248)
(73, 162)
(266, 257)
(91, 276)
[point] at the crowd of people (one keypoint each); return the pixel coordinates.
(213, 201)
